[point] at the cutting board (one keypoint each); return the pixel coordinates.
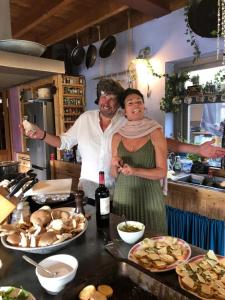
(50, 187)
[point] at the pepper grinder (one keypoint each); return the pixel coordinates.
(79, 200)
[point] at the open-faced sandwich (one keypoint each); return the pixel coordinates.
(160, 253)
(204, 276)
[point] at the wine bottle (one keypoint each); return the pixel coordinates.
(223, 146)
(102, 202)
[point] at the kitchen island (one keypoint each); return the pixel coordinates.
(96, 266)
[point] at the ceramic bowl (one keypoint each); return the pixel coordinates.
(131, 237)
(53, 285)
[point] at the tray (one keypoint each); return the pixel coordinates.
(139, 247)
(197, 259)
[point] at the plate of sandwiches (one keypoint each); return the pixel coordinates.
(203, 276)
(160, 253)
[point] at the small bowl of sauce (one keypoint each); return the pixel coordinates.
(63, 266)
(130, 231)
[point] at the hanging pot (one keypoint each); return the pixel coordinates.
(77, 54)
(91, 56)
(202, 17)
(107, 47)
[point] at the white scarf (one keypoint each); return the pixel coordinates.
(140, 128)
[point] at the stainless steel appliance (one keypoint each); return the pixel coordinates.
(41, 113)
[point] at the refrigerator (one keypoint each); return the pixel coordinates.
(41, 113)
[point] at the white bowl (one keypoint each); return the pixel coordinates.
(53, 285)
(131, 237)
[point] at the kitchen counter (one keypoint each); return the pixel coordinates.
(96, 266)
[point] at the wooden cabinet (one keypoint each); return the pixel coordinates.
(61, 169)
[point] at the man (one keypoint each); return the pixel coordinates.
(93, 132)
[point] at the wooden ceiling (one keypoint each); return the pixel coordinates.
(54, 21)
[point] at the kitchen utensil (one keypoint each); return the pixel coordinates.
(125, 219)
(107, 47)
(91, 56)
(18, 186)
(202, 17)
(7, 168)
(34, 263)
(22, 47)
(77, 54)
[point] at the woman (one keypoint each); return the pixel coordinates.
(139, 153)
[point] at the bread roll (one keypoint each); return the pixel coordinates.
(105, 290)
(87, 292)
(98, 296)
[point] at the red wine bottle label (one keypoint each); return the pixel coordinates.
(104, 206)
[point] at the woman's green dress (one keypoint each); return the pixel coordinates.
(138, 198)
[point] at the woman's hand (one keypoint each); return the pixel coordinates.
(127, 170)
(116, 165)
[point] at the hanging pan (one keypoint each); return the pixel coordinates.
(77, 54)
(107, 47)
(202, 17)
(91, 55)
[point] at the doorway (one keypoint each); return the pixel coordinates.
(5, 148)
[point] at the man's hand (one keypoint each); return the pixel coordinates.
(33, 131)
(208, 150)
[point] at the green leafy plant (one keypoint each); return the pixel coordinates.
(174, 89)
(190, 34)
(195, 79)
(219, 79)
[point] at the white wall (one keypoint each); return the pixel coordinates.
(167, 39)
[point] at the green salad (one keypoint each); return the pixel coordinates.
(13, 293)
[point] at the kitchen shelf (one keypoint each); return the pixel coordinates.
(73, 95)
(72, 85)
(73, 106)
(73, 101)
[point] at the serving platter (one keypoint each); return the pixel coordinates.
(53, 247)
(22, 47)
(209, 283)
(15, 292)
(160, 253)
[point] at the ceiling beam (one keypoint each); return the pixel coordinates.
(90, 19)
(148, 8)
(53, 11)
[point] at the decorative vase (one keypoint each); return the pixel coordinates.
(169, 124)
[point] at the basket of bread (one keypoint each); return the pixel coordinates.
(203, 276)
(161, 253)
(46, 231)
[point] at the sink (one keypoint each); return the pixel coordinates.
(203, 180)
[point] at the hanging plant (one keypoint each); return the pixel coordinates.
(190, 34)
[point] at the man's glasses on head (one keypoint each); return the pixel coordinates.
(107, 96)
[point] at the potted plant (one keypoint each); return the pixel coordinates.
(173, 91)
(219, 81)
